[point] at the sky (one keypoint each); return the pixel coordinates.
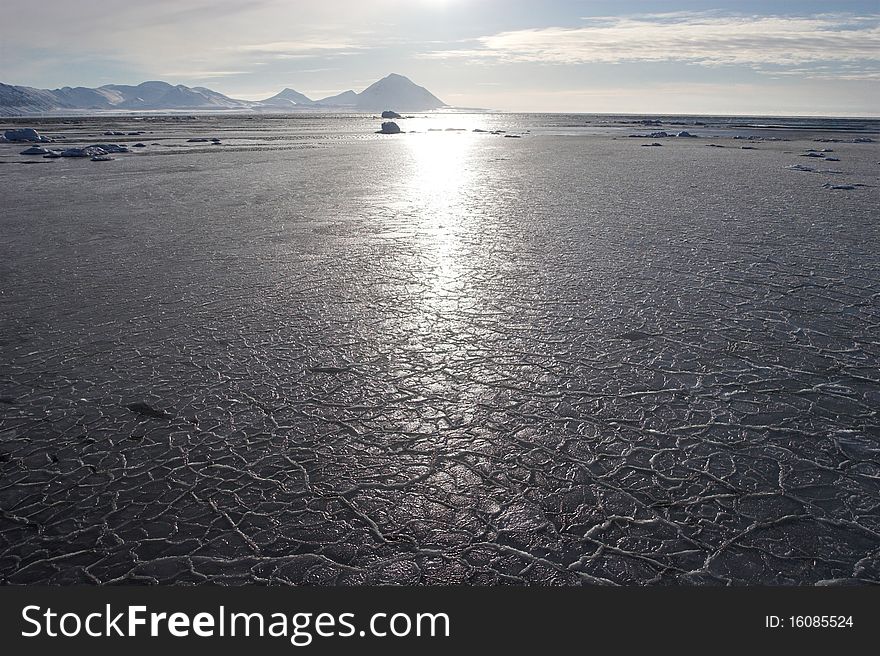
(784, 57)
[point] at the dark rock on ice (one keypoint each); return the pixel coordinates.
(139, 145)
(146, 410)
(389, 114)
(512, 136)
(840, 187)
(198, 140)
(651, 145)
(685, 133)
(390, 128)
(635, 335)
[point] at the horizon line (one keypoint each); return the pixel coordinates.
(448, 109)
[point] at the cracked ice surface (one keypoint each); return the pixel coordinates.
(440, 359)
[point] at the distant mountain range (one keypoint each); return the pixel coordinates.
(394, 92)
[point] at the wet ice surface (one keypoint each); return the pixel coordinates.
(439, 358)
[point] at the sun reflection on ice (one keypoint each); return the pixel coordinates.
(440, 186)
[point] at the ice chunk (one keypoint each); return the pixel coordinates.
(25, 134)
(35, 150)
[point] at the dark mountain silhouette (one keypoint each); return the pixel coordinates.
(391, 92)
(344, 99)
(288, 98)
(398, 93)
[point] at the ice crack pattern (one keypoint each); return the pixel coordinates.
(442, 358)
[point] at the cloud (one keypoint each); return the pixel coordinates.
(300, 47)
(709, 39)
(201, 75)
(185, 39)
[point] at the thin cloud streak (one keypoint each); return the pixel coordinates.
(697, 38)
(203, 75)
(300, 46)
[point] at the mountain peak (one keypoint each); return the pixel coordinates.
(397, 92)
(393, 92)
(344, 99)
(288, 96)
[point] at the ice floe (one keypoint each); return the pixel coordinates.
(35, 150)
(88, 151)
(25, 134)
(111, 148)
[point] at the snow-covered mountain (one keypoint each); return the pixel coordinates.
(25, 100)
(146, 96)
(161, 95)
(392, 92)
